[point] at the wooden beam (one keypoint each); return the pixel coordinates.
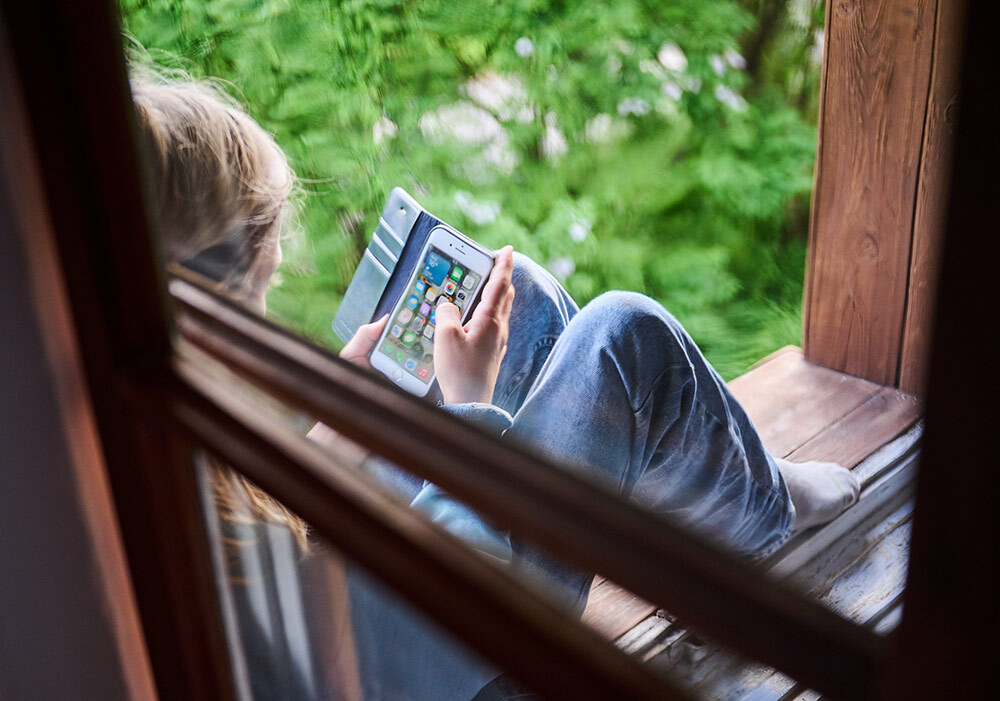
(935, 167)
(947, 643)
(875, 79)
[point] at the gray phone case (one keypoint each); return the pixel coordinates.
(377, 264)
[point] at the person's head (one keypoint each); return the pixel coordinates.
(220, 184)
(221, 189)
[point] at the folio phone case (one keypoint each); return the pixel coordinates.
(387, 263)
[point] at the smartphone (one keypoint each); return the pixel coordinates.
(452, 268)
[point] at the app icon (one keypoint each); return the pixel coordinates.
(411, 364)
(429, 331)
(421, 286)
(431, 294)
(397, 331)
(436, 268)
(428, 358)
(413, 301)
(408, 338)
(405, 316)
(425, 309)
(422, 372)
(417, 323)
(449, 287)
(456, 274)
(400, 356)
(461, 296)
(433, 312)
(417, 348)
(470, 281)
(388, 349)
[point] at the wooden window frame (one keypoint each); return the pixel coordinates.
(153, 406)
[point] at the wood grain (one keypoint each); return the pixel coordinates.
(876, 76)
(932, 194)
(613, 611)
(790, 400)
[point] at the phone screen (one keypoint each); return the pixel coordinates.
(410, 338)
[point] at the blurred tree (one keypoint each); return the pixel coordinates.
(629, 145)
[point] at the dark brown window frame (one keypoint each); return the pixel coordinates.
(153, 406)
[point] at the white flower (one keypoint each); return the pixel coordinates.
(672, 58)
(579, 229)
(652, 68)
(524, 47)
(633, 105)
(729, 98)
(718, 64)
(626, 47)
(461, 121)
(504, 96)
(553, 145)
(383, 130)
(672, 90)
(481, 213)
(603, 129)
(613, 65)
(734, 59)
(562, 267)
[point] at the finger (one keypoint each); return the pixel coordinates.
(449, 321)
(364, 339)
(499, 283)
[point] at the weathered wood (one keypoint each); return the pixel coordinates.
(932, 195)
(613, 611)
(848, 441)
(876, 75)
(790, 400)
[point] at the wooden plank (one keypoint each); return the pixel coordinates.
(876, 76)
(614, 611)
(791, 400)
(932, 194)
(883, 416)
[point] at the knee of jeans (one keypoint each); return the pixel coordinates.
(528, 276)
(620, 317)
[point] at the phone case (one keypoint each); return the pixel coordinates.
(390, 258)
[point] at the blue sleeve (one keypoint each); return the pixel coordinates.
(451, 514)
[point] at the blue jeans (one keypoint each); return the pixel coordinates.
(620, 394)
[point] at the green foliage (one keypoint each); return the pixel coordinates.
(616, 169)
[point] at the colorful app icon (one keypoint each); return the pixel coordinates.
(456, 273)
(422, 372)
(425, 309)
(388, 349)
(431, 294)
(449, 287)
(413, 301)
(429, 331)
(417, 323)
(405, 316)
(411, 364)
(400, 356)
(408, 338)
(420, 287)
(397, 331)
(433, 313)
(436, 268)
(470, 281)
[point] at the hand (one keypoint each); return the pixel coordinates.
(467, 359)
(360, 346)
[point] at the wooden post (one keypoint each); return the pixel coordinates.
(887, 83)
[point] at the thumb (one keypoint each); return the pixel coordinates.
(364, 338)
(448, 319)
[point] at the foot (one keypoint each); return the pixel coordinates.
(820, 491)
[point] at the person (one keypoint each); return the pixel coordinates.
(616, 391)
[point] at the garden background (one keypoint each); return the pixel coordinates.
(663, 147)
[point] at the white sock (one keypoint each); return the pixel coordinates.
(820, 491)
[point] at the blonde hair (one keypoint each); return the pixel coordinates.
(219, 183)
